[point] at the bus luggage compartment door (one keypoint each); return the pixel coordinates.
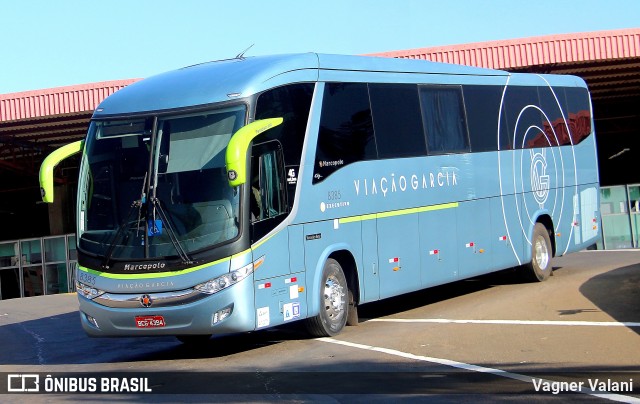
(398, 254)
(438, 244)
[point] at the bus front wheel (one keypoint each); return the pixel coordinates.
(539, 268)
(334, 304)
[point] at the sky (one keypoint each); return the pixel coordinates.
(48, 44)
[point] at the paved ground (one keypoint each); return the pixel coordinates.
(487, 339)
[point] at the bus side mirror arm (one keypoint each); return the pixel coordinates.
(236, 154)
(49, 163)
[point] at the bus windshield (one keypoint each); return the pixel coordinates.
(154, 186)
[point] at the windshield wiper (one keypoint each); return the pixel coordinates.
(172, 234)
(142, 201)
(135, 204)
(123, 225)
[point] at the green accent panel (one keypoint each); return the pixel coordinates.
(237, 150)
(168, 274)
(158, 274)
(52, 160)
(400, 212)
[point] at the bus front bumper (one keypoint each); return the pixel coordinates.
(154, 314)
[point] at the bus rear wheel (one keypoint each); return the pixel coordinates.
(334, 304)
(539, 269)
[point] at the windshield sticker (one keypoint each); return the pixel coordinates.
(155, 227)
(292, 178)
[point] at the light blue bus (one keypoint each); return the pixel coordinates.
(243, 194)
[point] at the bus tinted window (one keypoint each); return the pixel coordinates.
(523, 117)
(396, 120)
(292, 103)
(444, 119)
(482, 103)
(346, 129)
(579, 115)
(552, 121)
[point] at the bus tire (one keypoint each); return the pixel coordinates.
(539, 269)
(352, 314)
(334, 303)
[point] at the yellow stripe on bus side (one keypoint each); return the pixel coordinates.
(350, 219)
(391, 213)
(357, 218)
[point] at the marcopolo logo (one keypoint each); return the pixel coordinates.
(136, 267)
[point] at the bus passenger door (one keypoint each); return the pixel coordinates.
(398, 254)
(268, 202)
(276, 301)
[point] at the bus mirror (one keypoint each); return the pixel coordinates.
(49, 163)
(237, 150)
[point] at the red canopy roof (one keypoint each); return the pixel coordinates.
(57, 101)
(544, 50)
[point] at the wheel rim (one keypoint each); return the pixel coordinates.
(542, 253)
(334, 298)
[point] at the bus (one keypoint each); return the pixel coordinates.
(248, 193)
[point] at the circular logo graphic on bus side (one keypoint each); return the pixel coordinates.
(539, 177)
(536, 176)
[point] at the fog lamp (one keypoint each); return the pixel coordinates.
(91, 320)
(220, 315)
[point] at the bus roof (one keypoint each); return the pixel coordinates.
(230, 79)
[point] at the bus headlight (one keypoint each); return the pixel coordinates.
(215, 285)
(88, 291)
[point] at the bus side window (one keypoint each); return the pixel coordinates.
(524, 119)
(482, 102)
(396, 120)
(553, 123)
(346, 129)
(291, 102)
(578, 113)
(444, 119)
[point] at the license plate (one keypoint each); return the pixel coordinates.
(150, 321)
